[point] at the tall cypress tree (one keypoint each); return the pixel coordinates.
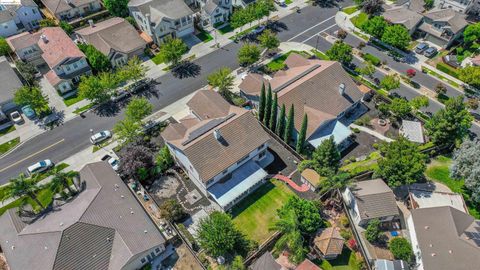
(261, 104)
(281, 122)
(268, 106)
(287, 137)
(302, 135)
(273, 113)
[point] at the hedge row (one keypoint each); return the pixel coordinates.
(372, 59)
(447, 69)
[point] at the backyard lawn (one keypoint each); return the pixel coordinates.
(346, 261)
(369, 164)
(438, 170)
(257, 212)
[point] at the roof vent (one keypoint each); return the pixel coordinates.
(117, 186)
(45, 247)
(427, 227)
(61, 224)
(131, 212)
(434, 254)
(341, 89)
(44, 38)
(12, 247)
(217, 134)
(145, 231)
(94, 255)
(108, 239)
(430, 245)
(121, 196)
(450, 251)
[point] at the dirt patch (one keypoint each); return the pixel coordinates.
(165, 187)
(3, 262)
(183, 259)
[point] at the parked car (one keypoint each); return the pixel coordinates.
(120, 94)
(139, 86)
(421, 48)
(16, 117)
(431, 52)
(115, 163)
(29, 112)
(100, 136)
(50, 119)
(258, 30)
(40, 166)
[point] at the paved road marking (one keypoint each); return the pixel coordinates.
(308, 29)
(319, 33)
(34, 154)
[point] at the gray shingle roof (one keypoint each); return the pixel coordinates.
(10, 81)
(266, 262)
(58, 6)
(374, 199)
(159, 9)
(102, 228)
(455, 19)
(402, 15)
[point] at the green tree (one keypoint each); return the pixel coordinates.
(273, 114)
(92, 88)
(471, 33)
(375, 26)
(400, 107)
(281, 122)
(127, 130)
(326, 158)
(48, 22)
(268, 40)
(222, 79)
(268, 106)
(470, 75)
(401, 249)
(32, 96)
(138, 108)
(289, 126)
(419, 102)
(429, 4)
(97, 60)
(4, 47)
(133, 70)
(373, 233)
(302, 135)
(164, 160)
(337, 181)
(27, 71)
(172, 50)
(22, 186)
(217, 235)
(171, 210)
(368, 70)
(61, 180)
(118, 8)
(440, 89)
(390, 82)
(401, 163)
(248, 54)
(307, 213)
(397, 36)
(261, 104)
(289, 227)
(237, 264)
(449, 125)
(68, 28)
(341, 52)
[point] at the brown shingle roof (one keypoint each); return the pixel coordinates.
(252, 84)
(374, 199)
(207, 104)
(329, 241)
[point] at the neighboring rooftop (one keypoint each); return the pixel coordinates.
(448, 238)
(413, 131)
(428, 199)
(382, 264)
(113, 34)
(104, 224)
(266, 262)
(10, 81)
(402, 15)
(58, 6)
(374, 199)
(307, 265)
(159, 9)
(455, 19)
(329, 241)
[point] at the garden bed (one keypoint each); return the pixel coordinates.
(279, 62)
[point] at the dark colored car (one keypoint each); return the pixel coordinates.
(421, 47)
(430, 52)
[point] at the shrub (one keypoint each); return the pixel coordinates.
(346, 234)
(373, 232)
(401, 249)
(447, 69)
(344, 221)
(372, 59)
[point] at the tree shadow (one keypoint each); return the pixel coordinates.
(150, 91)
(186, 69)
(277, 27)
(326, 3)
(108, 109)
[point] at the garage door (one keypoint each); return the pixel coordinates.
(435, 40)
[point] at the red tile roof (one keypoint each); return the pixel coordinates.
(307, 265)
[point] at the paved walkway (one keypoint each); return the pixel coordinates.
(372, 132)
(302, 188)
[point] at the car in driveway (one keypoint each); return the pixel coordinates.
(422, 47)
(115, 163)
(29, 112)
(40, 166)
(16, 117)
(100, 136)
(430, 52)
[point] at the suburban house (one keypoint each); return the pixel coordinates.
(422, 197)
(367, 200)
(463, 6)
(382, 264)
(328, 243)
(67, 10)
(18, 16)
(221, 147)
(162, 18)
(215, 12)
(242, 3)
(307, 265)
(266, 262)
(53, 48)
(320, 89)
(405, 16)
(116, 38)
(103, 227)
(444, 238)
(413, 131)
(10, 84)
(442, 26)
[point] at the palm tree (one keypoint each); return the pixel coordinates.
(22, 186)
(292, 238)
(60, 179)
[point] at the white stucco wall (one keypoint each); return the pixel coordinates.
(414, 242)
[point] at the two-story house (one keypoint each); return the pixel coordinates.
(18, 16)
(320, 89)
(52, 47)
(162, 18)
(221, 147)
(462, 6)
(214, 12)
(116, 38)
(67, 10)
(442, 26)
(102, 227)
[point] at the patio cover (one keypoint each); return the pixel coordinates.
(339, 131)
(243, 178)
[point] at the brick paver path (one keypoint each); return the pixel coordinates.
(302, 188)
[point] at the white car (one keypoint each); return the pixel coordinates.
(40, 166)
(114, 163)
(16, 117)
(100, 136)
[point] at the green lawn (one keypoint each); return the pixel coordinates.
(226, 29)
(72, 100)
(157, 59)
(7, 130)
(204, 36)
(346, 261)
(369, 164)
(279, 63)
(350, 10)
(257, 212)
(320, 55)
(438, 170)
(435, 74)
(84, 108)
(288, 2)
(359, 19)
(5, 147)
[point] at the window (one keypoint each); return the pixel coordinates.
(75, 65)
(143, 260)
(68, 68)
(25, 13)
(35, 12)
(157, 250)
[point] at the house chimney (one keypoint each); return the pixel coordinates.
(90, 22)
(44, 38)
(217, 135)
(341, 89)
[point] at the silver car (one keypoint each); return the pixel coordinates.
(40, 166)
(100, 136)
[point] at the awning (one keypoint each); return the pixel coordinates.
(339, 131)
(243, 178)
